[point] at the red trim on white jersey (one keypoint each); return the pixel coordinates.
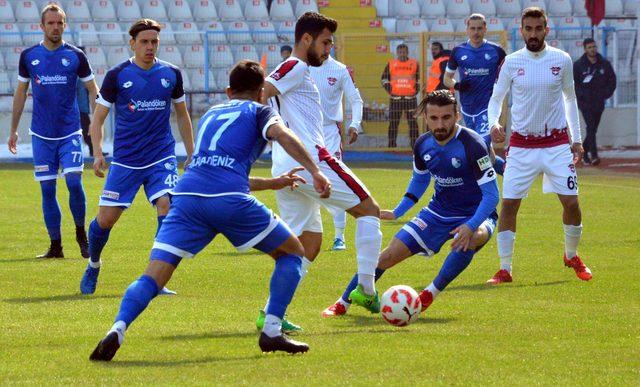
(556, 137)
(352, 182)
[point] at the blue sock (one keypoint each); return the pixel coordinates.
(51, 209)
(98, 238)
(499, 165)
(354, 283)
(77, 200)
(453, 265)
(136, 298)
(284, 282)
(160, 219)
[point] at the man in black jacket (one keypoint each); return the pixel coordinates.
(595, 82)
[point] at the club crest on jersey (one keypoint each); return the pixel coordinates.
(127, 84)
(65, 62)
(75, 142)
(555, 70)
(169, 166)
(332, 81)
(572, 168)
(456, 162)
(520, 72)
(35, 62)
(487, 57)
(165, 83)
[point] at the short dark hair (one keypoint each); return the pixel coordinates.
(314, 23)
(534, 12)
(587, 41)
(286, 47)
(143, 25)
(438, 44)
(246, 75)
(402, 45)
(52, 8)
(438, 98)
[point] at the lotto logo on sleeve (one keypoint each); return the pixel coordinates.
(110, 195)
(484, 163)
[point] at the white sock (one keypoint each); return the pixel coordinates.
(572, 236)
(339, 233)
(432, 288)
(340, 222)
(506, 240)
(368, 243)
(272, 326)
(119, 327)
(344, 303)
(95, 265)
(304, 269)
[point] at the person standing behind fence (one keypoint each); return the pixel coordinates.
(401, 79)
(595, 83)
(435, 81)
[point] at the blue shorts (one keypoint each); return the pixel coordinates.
(427, 232)
(123, 183)
(193, 222)
(479, 123)
(51, 155)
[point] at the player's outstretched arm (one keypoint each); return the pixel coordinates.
(19, 99)
(292, 145)
(289, 179)
(95, 130)
(417, 187)
(186, 129)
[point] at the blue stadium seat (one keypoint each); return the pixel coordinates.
(303, 6)
(10, 35)
(256, 10)
(6, 12)
(128, 10)
(205, 10)
(26, 11)
(78, 11)
(432, 9)
(154, 9)
(281, 10)
(103, 10)
(179, 10)
(264, 32)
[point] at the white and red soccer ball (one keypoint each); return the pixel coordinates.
(400, 305)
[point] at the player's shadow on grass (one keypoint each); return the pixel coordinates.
(172, 363)
(376, 320)
(58, 298)
(32, 259)
(482, 287)
(210, 335)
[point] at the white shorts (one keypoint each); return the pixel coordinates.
(525, 164)
(300, 208)
(333, 140)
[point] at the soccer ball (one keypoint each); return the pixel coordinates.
(400, 305)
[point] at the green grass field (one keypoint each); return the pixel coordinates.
(547, 327)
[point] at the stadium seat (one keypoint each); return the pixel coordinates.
(128, 10)
(220, 56)
(196, 78)
(184, 38)
(5, 83)
(256, 10)
(154, 9)
(27, 11)
(204, 10)
(2, 64)
(273, 56)
(10, 35)
(303, 6)
(110, 33)
(508, 8)
(186, 81)
(556, 43)
(264, 32)
(96, 56)
(221, 77)
(458, 9)
(412, 25)
(86, 34)
(78, 11)
(574, 48)
(560, 8)
(495, 24)
(432, 8)
(630, 7)
(12, 57)
(485, 7)
(216, 33)
(442, 25)
(194, 56)
(405, 9)
(579, 10)
(170, 54)
(611, 8)
(621, 24)
(239, 32)
(166, 34)
(285, 31)
(179, 10)
(553, 32)
(103, 10)
(568, 22)
(117, 55)
(459, 25)
(245, 51)
(281, 10)
(100, 73)
(31, 34)
(231, 10)
(534, 3)
(6, 12)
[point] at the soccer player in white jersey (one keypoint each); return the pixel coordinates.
(540, 78)
(334, 80)
(298, 100)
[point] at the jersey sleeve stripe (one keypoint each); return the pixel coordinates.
(272, 120)
(88, 78)
(180, 99)
(23, 79)
(103, 101)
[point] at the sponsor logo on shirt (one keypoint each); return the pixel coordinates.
(165, 83)
(35, 62)
(51, 79)
(145, 106)
(332, 81)
(448, 181)
(41, 168)
(127, 84)
(419, 222)
(110, 195)
(520, 72)
(479, 72)
(555, 70)
(65, 62)
(484, 163)
(456, 162)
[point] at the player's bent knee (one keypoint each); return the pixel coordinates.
(367, 207)
(160, 271)
(291, 246)
(162, 205)
(108, 216)
(479, 239)
(395, 253)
